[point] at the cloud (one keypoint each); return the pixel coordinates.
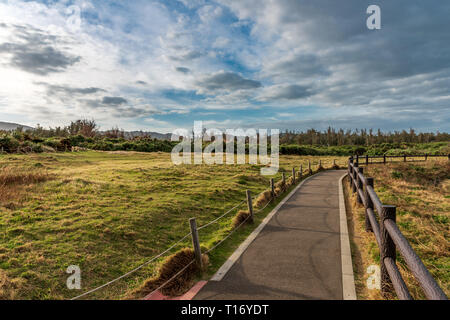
(183, 70)
(191, 55)
(114, 101)
(36, 53)
(289, 92)
(227, 81)
(68, 90)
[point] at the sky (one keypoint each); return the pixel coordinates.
(285, 64)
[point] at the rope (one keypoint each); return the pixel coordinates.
(176, 275)
(242, 223)
(132, 271)
(214, 221)
(170, 248)
(155, 257)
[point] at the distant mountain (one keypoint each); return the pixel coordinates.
(153, 135)
(12, 126)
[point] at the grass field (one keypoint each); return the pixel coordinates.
(421, 192)
(110, 212)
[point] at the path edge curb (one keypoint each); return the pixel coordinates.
(348, 278)
(223, 270)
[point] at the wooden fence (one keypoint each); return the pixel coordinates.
(388, 235)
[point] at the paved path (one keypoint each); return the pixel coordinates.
(296, 256)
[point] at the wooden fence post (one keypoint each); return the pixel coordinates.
(367, 160)
(350, 171)
(272, 187)
(284, 178)
(196, 243)
(309, 166)
(250, 206)
(387, 248)
(369, 203)
(359, 184)
(404, 158)
(384, 159)
(357, 159)
(300, 173)
(426, 157)
(355, 170)
(334, 163)
(293, 175)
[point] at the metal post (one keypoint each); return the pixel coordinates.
(196, 243)
(369, 203)
(250, 206)
(387, 248)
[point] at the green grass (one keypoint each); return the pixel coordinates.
(110, 212)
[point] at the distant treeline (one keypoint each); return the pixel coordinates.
(363, 137)
(84, 134)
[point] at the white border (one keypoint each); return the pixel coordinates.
(241, 249)
(348, 280)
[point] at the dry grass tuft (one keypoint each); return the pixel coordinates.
(239, 218)
(9, 176)
(263, 199)
(170, 267)
(8, 287)
(12, 182)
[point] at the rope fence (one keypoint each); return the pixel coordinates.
(298, 176)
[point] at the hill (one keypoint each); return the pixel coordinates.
(8, 126)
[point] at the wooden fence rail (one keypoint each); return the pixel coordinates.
(388, 235)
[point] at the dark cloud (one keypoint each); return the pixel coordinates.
(36, 52)
(227, 81)
(290, 92)
(67, 90)
(300, 66)
(143, 83)
(115, 101)
(191, 55)
(183, 70)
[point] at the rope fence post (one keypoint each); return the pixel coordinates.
(272, 187)
(250, 206)
(196, 243)
(387, 248)
(293, 175)
(369, 203)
